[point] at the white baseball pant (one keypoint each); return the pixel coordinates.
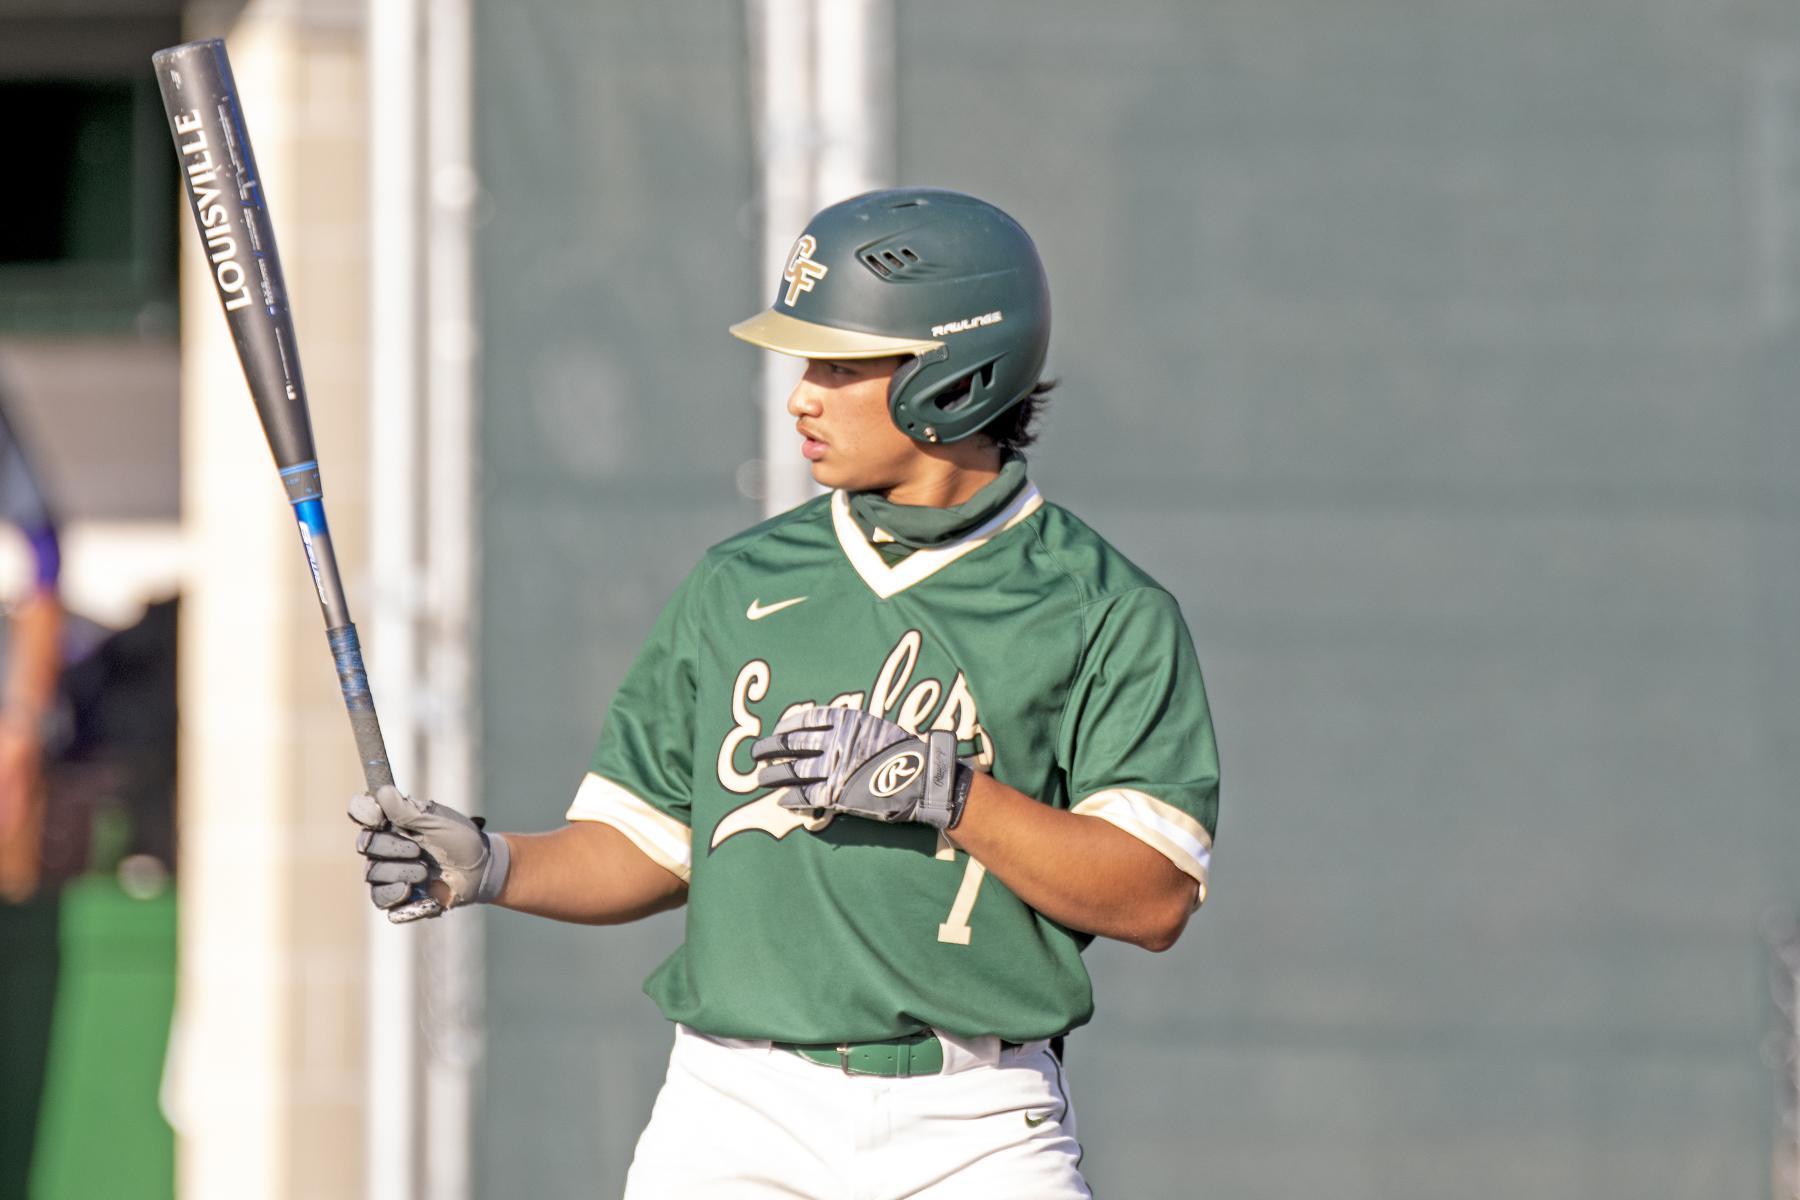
(741, 1120)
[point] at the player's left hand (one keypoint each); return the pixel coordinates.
(849, 761)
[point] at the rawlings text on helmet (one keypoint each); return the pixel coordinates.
(968, 323)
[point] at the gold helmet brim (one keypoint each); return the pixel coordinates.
(803, 339)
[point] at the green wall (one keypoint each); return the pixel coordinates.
(616, 412)
(1441, 359)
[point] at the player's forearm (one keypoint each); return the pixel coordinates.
(1080, 871)
(36, 635)
(587, 872)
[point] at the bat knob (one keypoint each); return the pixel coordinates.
(419, 908)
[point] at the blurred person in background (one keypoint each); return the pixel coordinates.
(32, 658)
(29, 961)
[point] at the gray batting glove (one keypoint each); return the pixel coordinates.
(849, 761)
(409, 843)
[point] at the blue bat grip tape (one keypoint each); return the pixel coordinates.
(352, 677)
(311, 513)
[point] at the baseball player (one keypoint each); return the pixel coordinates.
(902, 751)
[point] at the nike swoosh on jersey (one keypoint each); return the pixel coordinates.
(758, 610)
(1032, 1122)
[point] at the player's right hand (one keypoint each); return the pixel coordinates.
(411, 844)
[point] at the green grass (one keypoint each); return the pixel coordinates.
(100, 1132)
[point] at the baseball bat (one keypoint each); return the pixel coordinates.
(225, 192)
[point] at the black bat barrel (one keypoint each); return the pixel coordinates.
(225, 192)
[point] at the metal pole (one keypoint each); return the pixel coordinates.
(455, 1037)
(854, 102)
(822, 79)
(781, 35)
(391, 1113)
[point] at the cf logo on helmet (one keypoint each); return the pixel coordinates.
(896, 773)
(802, 272)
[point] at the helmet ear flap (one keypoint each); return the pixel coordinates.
(938, 411)
(982, 388)
(898, 384)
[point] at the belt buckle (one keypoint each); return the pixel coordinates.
(844, 1056)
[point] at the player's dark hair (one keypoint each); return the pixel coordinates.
(1017, 427)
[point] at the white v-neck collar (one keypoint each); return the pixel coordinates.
(885, 580)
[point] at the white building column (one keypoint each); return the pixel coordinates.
(265, 1084)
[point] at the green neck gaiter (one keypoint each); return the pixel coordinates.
(916, 526)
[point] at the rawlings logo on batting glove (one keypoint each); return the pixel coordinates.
(849, 761)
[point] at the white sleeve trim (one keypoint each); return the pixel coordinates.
(1159, 824)
(666, 841)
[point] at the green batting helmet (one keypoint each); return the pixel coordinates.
(947, 281)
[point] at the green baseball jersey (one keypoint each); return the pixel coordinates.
(1063, 669)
